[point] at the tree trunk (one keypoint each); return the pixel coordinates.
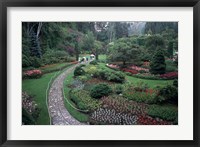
(124, 62)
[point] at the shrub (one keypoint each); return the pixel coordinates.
(36, 62)
(158, 65)
(169, 93)
(30, 110)
(100, 90)
(142, 71)
(32, 74)
(171, 66)
(140, 94)
(163, 112)
(112, 76)
(25, 61)
(94, 62)
(91, 70)
(83, 100)
(117, 77)
(145, 97)
(83, 78)
(170, 75)
(175, 83)
(118, 89)
(79, 71)
(27, 118)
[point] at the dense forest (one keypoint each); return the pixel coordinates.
(46, 43)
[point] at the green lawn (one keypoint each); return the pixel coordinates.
(75, 113)
(37, 88)
(150, 83)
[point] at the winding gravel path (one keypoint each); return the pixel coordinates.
(58, 113)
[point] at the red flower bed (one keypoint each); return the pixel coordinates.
(33, 73)
(146, 120)
(134, 67)
(130, 70)
(170, 75)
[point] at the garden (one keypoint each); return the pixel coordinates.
(99, 73)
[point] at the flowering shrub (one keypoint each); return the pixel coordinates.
(170, 75)
(132, 71)
(146, 120)
(134, 67)
(30, 110)
(32, 74)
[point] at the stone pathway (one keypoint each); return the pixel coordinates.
(58, 113)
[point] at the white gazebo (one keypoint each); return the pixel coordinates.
(92, 56)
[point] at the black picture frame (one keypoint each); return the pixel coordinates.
(4, 4)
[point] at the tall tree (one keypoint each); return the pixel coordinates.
(157, 64)
(124, 51)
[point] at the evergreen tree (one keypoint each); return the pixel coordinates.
(158, 65)
(170, 48)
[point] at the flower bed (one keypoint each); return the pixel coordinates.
(32, 74)
(134, 67)
(110, 117)
(147, 120)
(132, 71)
(170, 75)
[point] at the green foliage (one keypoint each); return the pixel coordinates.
(119, 89)
(169, 93)
(88, 41)
(91, 69)
(83, 78)
(171, 66)
(175, 83)
(164, 112)
(51, 57)
(149, 98)
(56, 67)
(100, 90)
(113, 76)
(158, 65)
(123, 50)
(25, 61)
(27, 118)
(149, 76)
(94, 62)
(36, 62)
(83, 100)
(154, 41)
(170, 48)
(159, 27)
(117, 77)
(79, 71)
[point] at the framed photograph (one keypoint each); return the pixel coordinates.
(84, 73)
